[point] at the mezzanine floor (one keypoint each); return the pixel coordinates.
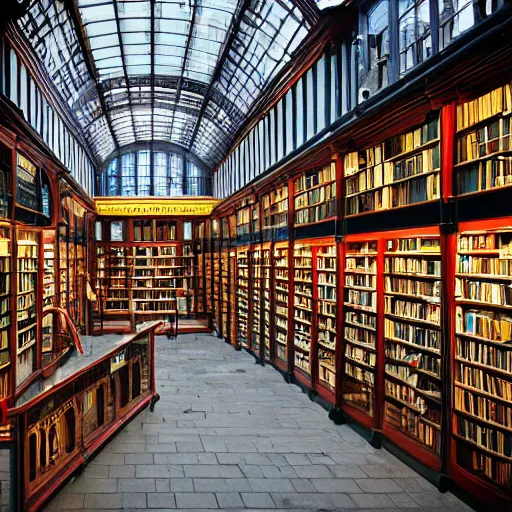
(230, 434)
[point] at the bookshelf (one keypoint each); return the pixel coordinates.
(402, 171)
(314, 196)
(243, 290)
(63, 266)
(141, 281)
(303, 309)
(266, 296)
(216, 285)
(225, 290)
(243, 219)
(27, 267)
(199, 269)
(483, 142)
(360, 325)
(482, 353)
(208, 263)
(412, 339)
(326, 319)
(281, 292)
(275, 212)
(256, 273)
(5, 309)
(49, 293)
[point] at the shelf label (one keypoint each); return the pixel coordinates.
(126, 206)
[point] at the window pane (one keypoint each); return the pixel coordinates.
(113, 178)
(176, 175)
(144, 173)
(272, 141)
(289, 122)
(455, 17)
(300, 112)
(13, 96)
(280, 129)
(128, 174)
(24, 91)
(320, 95)
(310, 104)
(160, 174)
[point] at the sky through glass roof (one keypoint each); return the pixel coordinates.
(182, 71)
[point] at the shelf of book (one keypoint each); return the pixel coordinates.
(413, 342)
(482, 360)
(275, 213)
(483, 159)
(225, 291)
(361, 325)
(208, 264)
(243, 219)
(281, 299)
(303, 311)
(199, 268)
(266, 299)
(326, 317)
(216, 285)
(27, 268)
(6, 307)
(243, 296)
(142, 281)
(256, 273)
(402, 171)
(315, 196)
(49, 293)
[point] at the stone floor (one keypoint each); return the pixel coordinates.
(230, 434)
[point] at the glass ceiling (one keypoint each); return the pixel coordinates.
(182, 71)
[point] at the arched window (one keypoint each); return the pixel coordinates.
(165, 172)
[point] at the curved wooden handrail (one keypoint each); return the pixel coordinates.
(71, 325)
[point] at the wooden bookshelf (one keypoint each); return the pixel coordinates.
(483, 159)
(243, 297)
(266, 298)
(401, 171)
(256, 273)
(225, 291)
(303, 310)
(360, 326)
(412, 340)
(281, 298)
(5, 310)
(326, 320)
(27, 268)
(482, 351)
(49, 292)
(275, 212)
(199, 269)
(314, 196)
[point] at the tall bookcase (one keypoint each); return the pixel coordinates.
(326, 316)
(27, 289)
(361, 324)
(413, 345)
(243, 296)
(482, 357)
(303, 310)
(256, 273)
(6, 308)
(266, 299)
(282, 301)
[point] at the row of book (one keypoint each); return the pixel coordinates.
(312, 179)
(486, 175)
(482, 291)
(413, 310)
(386, 174)
(316, 213)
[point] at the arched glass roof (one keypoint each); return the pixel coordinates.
(181, 71)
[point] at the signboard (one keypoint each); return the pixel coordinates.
(152, 207)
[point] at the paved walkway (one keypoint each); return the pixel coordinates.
(229, 434)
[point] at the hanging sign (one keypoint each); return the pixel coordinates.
(152, 207)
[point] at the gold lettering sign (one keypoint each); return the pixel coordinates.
(133, 207)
